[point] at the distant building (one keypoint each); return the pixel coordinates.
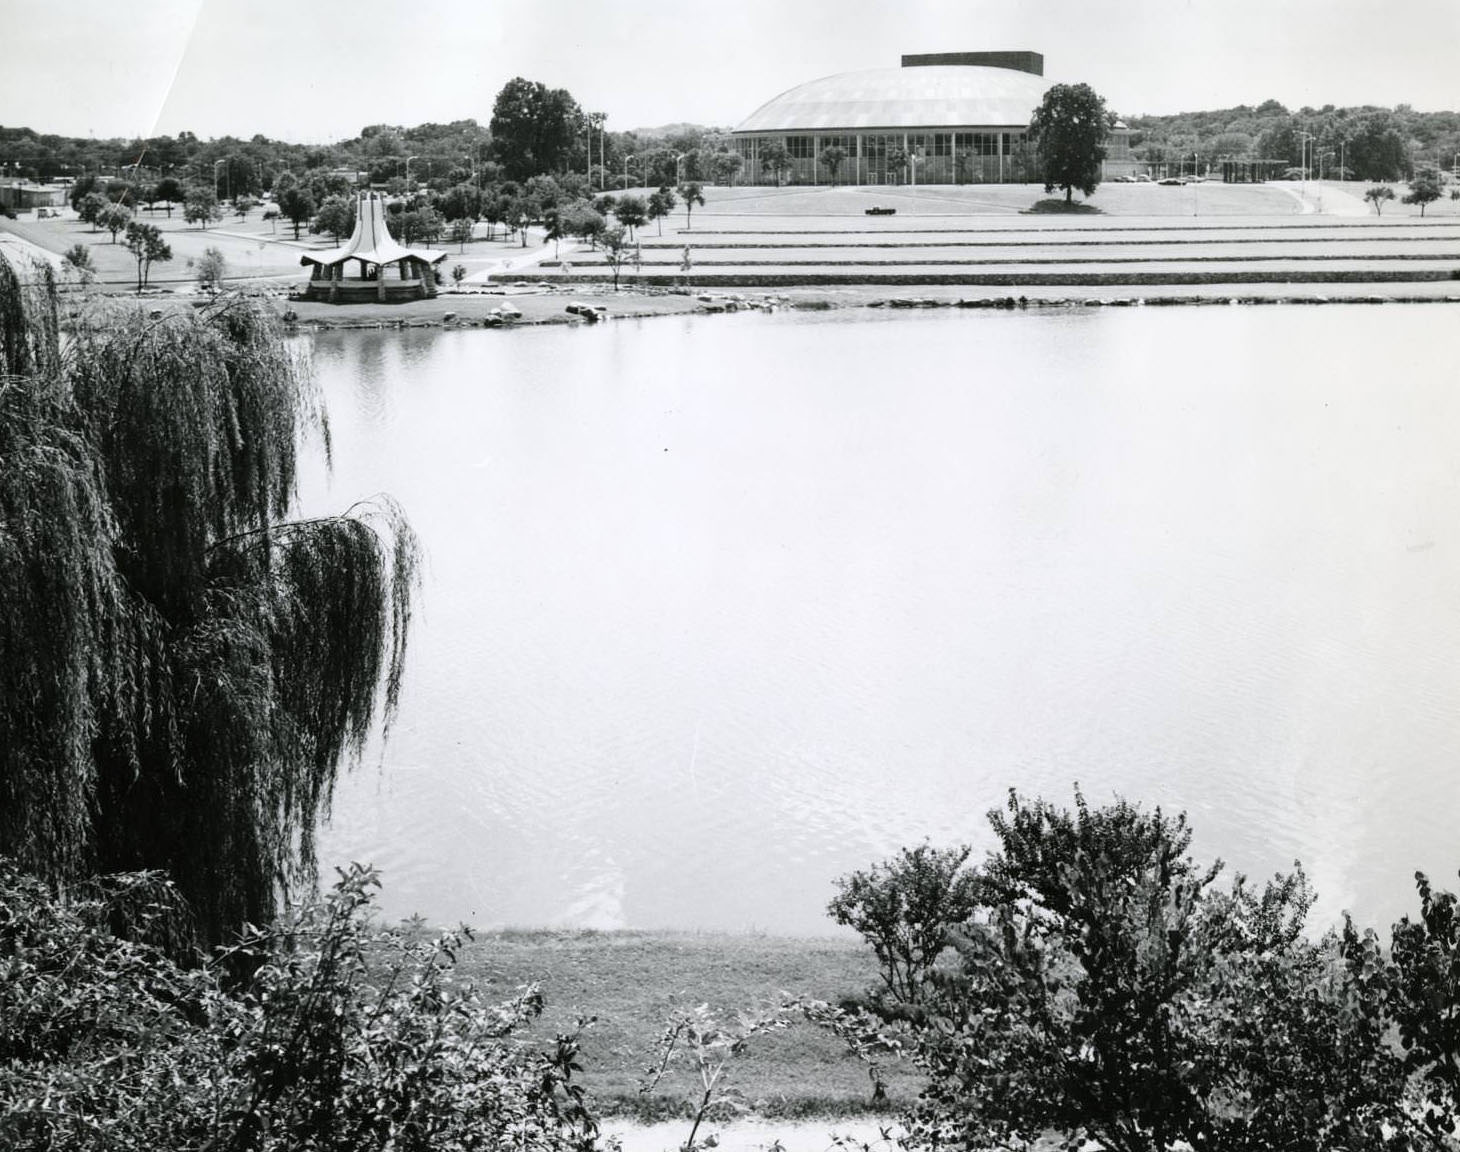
(23, 196)
(374, 253)
(960, 117)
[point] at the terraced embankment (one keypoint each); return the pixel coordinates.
(1206, 236)
(782, 254)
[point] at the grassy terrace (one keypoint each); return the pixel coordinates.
(818, 247)
(1145, 235)
(631, 980)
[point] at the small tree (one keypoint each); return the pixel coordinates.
(420, 224)
(170, 192)
(691, 193)
(615, 250)
(832, 158)
(631, 211)
(1425, 188)
(89, 208)
(297, 205)
(114, 218)
(905, 908)
(461, 232)
(458, 274)
(242, 205)
(211, 269)
(336, 216)
(1068, 132)
(897, 161)
(775, 158)
(579, 219)
(725, 166)
(1377, 195)
(146, 244)
(201, 207)
(700, 1036)
(661, 204)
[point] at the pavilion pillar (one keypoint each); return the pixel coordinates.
(380, 283)
(335, 270)
(428, 279)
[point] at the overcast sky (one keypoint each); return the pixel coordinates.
(317, 70)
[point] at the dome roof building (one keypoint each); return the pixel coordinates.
(946, 118)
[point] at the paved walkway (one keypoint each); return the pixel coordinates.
(1324, 199)
(22, 255)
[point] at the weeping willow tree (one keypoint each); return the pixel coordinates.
(183, 669)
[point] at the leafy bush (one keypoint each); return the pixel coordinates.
(1106, 987)
(336, 1037)
(211, 268)
(904, 909)
(1426, 955)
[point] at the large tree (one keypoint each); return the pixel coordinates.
(533, 128)
(1068, 132)
(183, 669)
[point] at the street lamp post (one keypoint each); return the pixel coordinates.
(408, 171)
(679, 167)
(1305, 149)
(627, 158)
(215, 175)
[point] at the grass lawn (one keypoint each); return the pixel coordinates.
(631, 981)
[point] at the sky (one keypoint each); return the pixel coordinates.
(319, 70)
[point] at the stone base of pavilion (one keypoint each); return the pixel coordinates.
(385, 290)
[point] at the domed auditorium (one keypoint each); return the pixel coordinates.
(942, 118)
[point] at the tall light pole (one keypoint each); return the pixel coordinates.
(1305, 149)
(215, 176)
(627, 158)
(408, 171)
(679, 168)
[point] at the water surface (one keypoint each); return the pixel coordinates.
(719, 608)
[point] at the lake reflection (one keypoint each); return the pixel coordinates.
(720, 608)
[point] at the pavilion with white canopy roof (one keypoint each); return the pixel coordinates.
(374, 250)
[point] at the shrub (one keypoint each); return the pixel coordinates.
(1107, 988)
(210, 269)
(333, 1037)
(904, 909)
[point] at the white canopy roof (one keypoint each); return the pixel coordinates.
(371, 240)
(935, 96)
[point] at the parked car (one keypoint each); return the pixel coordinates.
(881, 210)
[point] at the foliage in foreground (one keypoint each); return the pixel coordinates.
(183, 668)
(1103, 985)
(343, 1038)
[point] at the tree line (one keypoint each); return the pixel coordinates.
(533, 130)
(1358, 143)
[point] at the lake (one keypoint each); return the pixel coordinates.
(717, 609)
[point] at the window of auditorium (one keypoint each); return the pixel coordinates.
(943, 144)
(799, 147)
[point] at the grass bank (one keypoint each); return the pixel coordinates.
(631, 981)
